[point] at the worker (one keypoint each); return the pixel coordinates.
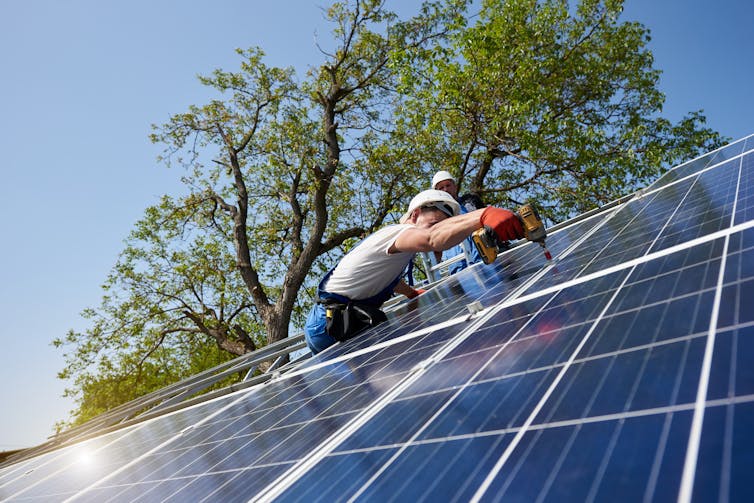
(349, 297)
(444, 181)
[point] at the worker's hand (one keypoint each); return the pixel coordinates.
(505, 223)
(415, 293)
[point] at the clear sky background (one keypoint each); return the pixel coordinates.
(83, 80)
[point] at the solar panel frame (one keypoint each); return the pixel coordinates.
(534, 397)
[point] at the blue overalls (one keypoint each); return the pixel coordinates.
(314, 330)
(458, 250)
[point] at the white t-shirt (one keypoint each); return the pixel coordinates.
(369, 268)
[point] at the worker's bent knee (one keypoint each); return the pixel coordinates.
(314, 330)
(319, 342)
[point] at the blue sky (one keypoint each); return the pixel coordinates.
(83, 80)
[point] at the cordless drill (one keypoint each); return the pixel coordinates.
(488, 244)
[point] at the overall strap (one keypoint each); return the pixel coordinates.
(375, 300)
(324, 297)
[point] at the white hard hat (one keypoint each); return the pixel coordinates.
(440, 176)
(436, 198)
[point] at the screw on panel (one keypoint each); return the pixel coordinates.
(475, 307)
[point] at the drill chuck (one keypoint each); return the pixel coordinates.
(533, 227)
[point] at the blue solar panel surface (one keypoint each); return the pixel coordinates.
(621, 371)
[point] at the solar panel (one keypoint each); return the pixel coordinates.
(621, 370)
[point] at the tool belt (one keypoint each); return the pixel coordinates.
(344, 321)
(345, 318)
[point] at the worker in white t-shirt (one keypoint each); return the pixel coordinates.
(350, 295)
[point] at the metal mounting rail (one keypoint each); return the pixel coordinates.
(176, 396)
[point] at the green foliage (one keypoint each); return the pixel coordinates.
(281, 178)
(526, 100)
(127, 379)
(536, 102)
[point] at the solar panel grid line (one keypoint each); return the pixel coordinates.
(550, 480)
(153, 449)
(703, 233)
(689, 470)
(514, 440)
(51, 458)
(663, 302)
(628, 414)
(739, 280)
(640, 347)
(615, 416)
(370, 349)
(742, 141)
(437, 413)
(692, 453)
(482, 489)
(286, 480)
(602, 469)
(698, 200)
(282, 483)
(686, 170)
(636, 261)
(746, 211)
(729, 425)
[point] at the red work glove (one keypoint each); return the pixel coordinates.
(505, 223)
(416, 293)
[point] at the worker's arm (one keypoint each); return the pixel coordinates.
(404, 289)
(441, 236)
(451, 231)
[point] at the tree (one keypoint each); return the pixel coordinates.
(282, 177)
(528, 101)
(537, 101)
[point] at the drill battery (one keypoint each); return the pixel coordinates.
(486, 242)
(489, 245)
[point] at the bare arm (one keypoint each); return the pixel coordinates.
(404, 289)
(441, 236)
